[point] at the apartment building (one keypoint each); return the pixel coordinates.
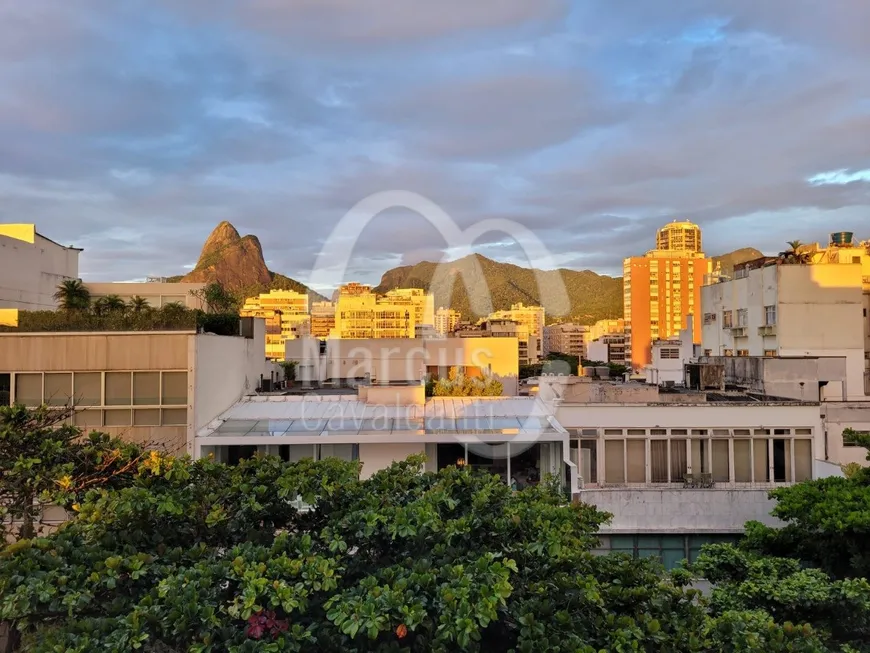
(422, 302)
(605, 328)
(669, 357)
(794, 310)
(679, 467)
(31, 268)
(661, 288)
(346, 362)
(527, 352)
(446, 320)
(571, 339)
(362, 314)
(322, 319)
(286, 315)
(608, 348)
(532, 317)
(152, 387)
(156, 293)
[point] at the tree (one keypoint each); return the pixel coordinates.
(138, 304)
(217, 299)
(200, 556)
(793, 255)
(73, 295)
(289, 368)
(459, 385)
(108, 305)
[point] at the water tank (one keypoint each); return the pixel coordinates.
(842, 238)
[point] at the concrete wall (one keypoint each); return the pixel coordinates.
(842, 415)
(403, 359)
(376, 457)
(679, 510)
(157, 294)
(31, 268)
(225, 369)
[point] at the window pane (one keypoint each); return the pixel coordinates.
(28, 389)
(762, 471)
(146, 417)
(679, 466)
(614, 471)
(742, 461)
(175, 388)
(118, 388)
(5, 389)
(340, 451)
(87, 388)
(636, 461)
(58, 388)
(803, 460)
(88, 418)
(658, 454)
(146, 388)
(118, 417)
(720, 461)
(175, 417)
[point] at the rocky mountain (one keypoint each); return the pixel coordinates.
(237, 263)
(592, 296)
(729, 260)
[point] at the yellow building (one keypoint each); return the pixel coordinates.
(679, 236)
(606, 327)
(446, 320)
(360, 313)
(423, 303)
(322, 319)
(286, 315)
(532, 317)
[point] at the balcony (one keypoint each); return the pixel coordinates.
(767, 330)
(737, 331)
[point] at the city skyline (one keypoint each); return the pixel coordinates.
(590, 125)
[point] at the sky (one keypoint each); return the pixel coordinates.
(131, 128)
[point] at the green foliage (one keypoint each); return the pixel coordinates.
(459, 385)
(289, 368)
(217, 299)
(73, 295)
(138, 304)
(45, 461)
(171, 317)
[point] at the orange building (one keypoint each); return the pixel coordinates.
(662, 288)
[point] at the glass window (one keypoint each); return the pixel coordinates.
(118, 417)
(175, 417)
(614, 464)
(770, 315)
(146, 388)
(174, 388)
(28, 389)
(699, 456)
(340, 451)
(5, 389)
(803, 460)
(742, 461)
(636, 458)
(762, 470)
(658, 461)
(720, 461)
(88, 418)
(679, 466)
(118, 388)
(87, 389)
(58, 388)
(146, 417)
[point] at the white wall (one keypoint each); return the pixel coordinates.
(376, 457)
(681, 511)
(842, 415)
(224, 369)
(31, 272)
(157, 294)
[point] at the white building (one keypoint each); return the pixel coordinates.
(342, 362)
(609, 348)
(670, 356)
(32, 267)
(157, 294)
(817, 310)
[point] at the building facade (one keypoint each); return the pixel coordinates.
(322, 319)
(661, 289)
(669, 357)
(446, 320)
(362, 314)
(532, 317)
(571, 339)
(527, 352)
(422, 302)
(31, 268)
(157, 294)
(608, 349)
(153, 388)
(606, 327)
(286, 316)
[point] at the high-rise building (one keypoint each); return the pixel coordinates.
(422, 301)
(446, 320)
(679, 237)
(527, 352)
(569, 339)
(532, 317)
(286, 315)
(661, 289)
(606, 327)
(322, 319)
(360, 313)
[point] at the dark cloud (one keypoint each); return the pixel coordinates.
(132, 128)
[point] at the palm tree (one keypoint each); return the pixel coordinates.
(73, 295)
(793, 255)
(109, 304)
(138, 304)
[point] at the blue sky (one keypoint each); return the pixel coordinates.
(132, 127)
